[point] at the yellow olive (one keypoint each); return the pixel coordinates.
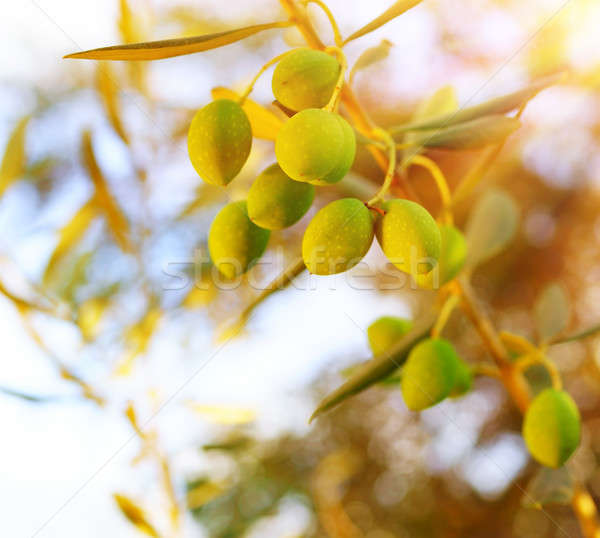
(429, 374)
(219, 141)
(452, 258)
(337, 237)
(346, 158)
(305, 78)
(409, 236)
(310, 144)
(275, 201)
(385, 332)
(235, 243)
(552, 427)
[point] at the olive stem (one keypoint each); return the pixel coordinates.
(384, 135)
(444, 315)
(334, 102)
(337, 36)
(487, 370)
(440, 181)
(250, 87)
(538, 357)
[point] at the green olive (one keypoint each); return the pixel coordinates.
(346, 158)
(337, 237)
(409, 236)
(452, 258)
(275, 201)
(384, 332)
(235, 243)
(552, 427)
(464, 379)
(305, 78)
(219, 141)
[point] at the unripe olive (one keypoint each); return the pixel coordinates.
(337, 237)
(429, 374)
(552, 427)
(452, 258)
(219, 141)
(463, 379)
(275, 201)
(311, 144)
(305, 78)
(235, 243)
(384, 332)
(346, 159)
(409, 236)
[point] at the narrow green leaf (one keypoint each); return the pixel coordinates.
(552, 311)
(168, 48)
(378, 368)
(498, 105)
(491, 226)
(394, 11)
(549, 486)
(371, 56)
(14, 160)
(475, 134)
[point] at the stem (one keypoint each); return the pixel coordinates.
(440, 181)
(333, 103)
(444, 316)
(337, 36)
(391, 166)
(250, 87)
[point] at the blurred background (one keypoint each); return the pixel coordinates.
(121, 411)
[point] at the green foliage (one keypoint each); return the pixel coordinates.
(275, 201)
(305, 78)
(219, 141)
(552, 311)
(552, 427)
(409, 236)
(235, 243)
(315, 145)
(385, 332)
(429, 374)
(338, 237)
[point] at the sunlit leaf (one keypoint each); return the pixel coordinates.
(14, 160)
(70, 235)
(475, 134)
(108, 91)
(137, 339)
(130, 31)
(552, 311)
(89, 315)
(549, 486)
(168, 48)
(200, 295)
(498, 105)
(491, 227)
(220, 414)
(135, 515)
(265, 124)
(203, 493)
(371, 56)
(396, 10)
(378, 368)
(117, 222)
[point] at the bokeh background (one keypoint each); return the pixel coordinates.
(103, 329)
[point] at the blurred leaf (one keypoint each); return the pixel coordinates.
(117, 222)
(200, 295)
(552, 311)
(89, 315)
(135, 515)
(223, 414)
(264, 123)
(168, 48)
(137, 338)
(378, 368)
(131, 32)
(498, 105)
(32, 398)
(396, 10)
(69, 236)
(203, 493)
(14, 161)
(475, 134)
(371, 56)
(491, 227)
(549, 486)
(107, 88)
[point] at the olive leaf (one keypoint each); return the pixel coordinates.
(475, 134)
(378, 368)
(552, 311)
(498, 105)
(371, 56)
(265, 124)
(117, 222)
(397, 9)
(491, 226)
(107, 88)
(168, 48)
(549, 486)
(14, 160)
(135, 515)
